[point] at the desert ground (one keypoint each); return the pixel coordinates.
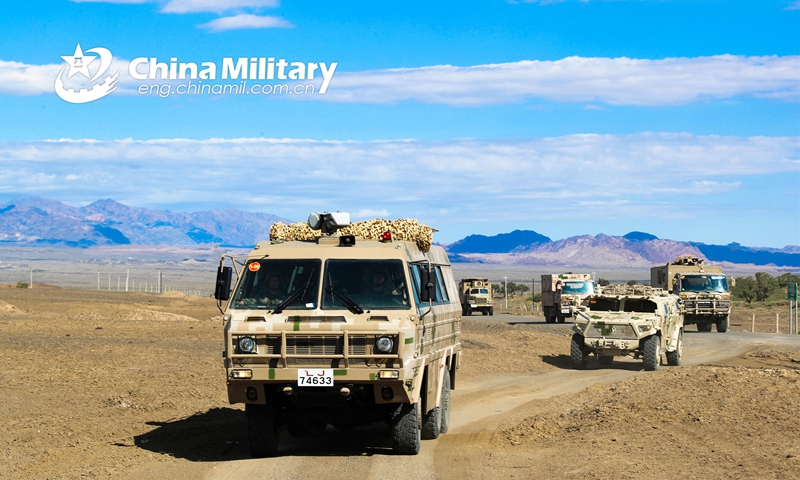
(100, 384)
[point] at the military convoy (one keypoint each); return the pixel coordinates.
(476, 296)
(625, 320)
(341, 324)
(704, 295)
(562, 294)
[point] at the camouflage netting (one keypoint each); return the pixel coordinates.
(402, 229)
(625, 289)
(689, 260)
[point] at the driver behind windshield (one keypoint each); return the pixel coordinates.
(264, 292)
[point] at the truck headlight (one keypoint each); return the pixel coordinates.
(384, 344)
(247, 344)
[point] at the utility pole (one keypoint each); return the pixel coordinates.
(31, 285)
(127, 278)
(159, 282)
(505, 289)
(118, 283)
(109, 283)
(98, 281)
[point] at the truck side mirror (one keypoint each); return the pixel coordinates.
(222, 291)
(426, 289)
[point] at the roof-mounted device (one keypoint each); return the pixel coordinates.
(327, 222)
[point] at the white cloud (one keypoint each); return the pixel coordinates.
(616, 81)
(110, 1)
(22, 79)
(218, 6)
(571, 177)
(244, 21)
(795, 5)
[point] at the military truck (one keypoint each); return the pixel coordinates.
(476, 296)
(703, 289)
(562, 294)
(629, 320)
(365, 327)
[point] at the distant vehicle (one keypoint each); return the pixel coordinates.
(629, 320)
(703, 290)
(562, 294)
(347, 325)
(476, 296)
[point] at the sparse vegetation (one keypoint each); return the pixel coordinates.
(603, 282)
(633, 282)
(763, 288)
(22, 285)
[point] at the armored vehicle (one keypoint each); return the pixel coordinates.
(341, 324)
(624, 320)
(562, 294)
(703, 289)
(476, 296)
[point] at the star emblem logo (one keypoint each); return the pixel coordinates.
(78, 62)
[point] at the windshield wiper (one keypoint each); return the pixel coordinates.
(351, 305)
(295, 296)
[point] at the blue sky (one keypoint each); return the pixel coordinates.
(678, 118)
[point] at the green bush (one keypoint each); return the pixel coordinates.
(22, 285)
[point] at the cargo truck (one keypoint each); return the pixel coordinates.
(562, 294)
(476, 296)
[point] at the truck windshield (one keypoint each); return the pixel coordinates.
(582, 288)
(266, 283)
(479, 291)
(371, 284)
(704, 283)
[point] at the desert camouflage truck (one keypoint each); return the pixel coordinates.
(703, 290)
(347, 325)
(624, 320)
(562, 294)
(476, 296)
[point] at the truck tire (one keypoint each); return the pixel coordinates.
(262, 434)
(445, 403)
(674, 358)
(606, 359)
(703, 327)
(467, 312)
(722, 324)
(577, 353)
(491, 311)
(561, 319)
(485, 311)
(432, 424)
(404, 423)
(651, 353)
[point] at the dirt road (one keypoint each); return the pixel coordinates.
(103, 385)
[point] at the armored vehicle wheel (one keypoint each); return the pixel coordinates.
(404, 423)
(652, 352)
(432, 423)
(674, 358)
(262, 434)
(491, 311)
(577, 353)
(703, 327)
(606, 359)
(445, 403)
(722, 324)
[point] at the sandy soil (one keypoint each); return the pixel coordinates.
(103, 384)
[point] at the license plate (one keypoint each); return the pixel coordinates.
(473, 305)
(565, 310)
(315, 377)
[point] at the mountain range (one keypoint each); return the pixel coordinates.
(45, 222)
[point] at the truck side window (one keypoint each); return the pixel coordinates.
(441, 291)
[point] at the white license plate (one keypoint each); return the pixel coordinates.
(474, 305)
(565, 310)
(315, 377)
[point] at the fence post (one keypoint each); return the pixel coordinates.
(753, 329)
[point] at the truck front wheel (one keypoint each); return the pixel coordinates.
(404, 423)
(652, 352)
(722, 324)
(578, 353)
(262, 434)
(491, 311)
(703, 327)
(674, 358)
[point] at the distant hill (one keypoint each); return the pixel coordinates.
(39, 221)
(502, 243)
(636, 249)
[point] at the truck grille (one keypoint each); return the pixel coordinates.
(318, 345)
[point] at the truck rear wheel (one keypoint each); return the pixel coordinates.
(652, 352)
(703, 327)
(578, 353)
(404, 423)
(467, 312)
(722, 324)
(432, 424)
(485, 312)
(262, 434)
(445, 403)
(674, 358)
(491, 311)
(561, 319)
